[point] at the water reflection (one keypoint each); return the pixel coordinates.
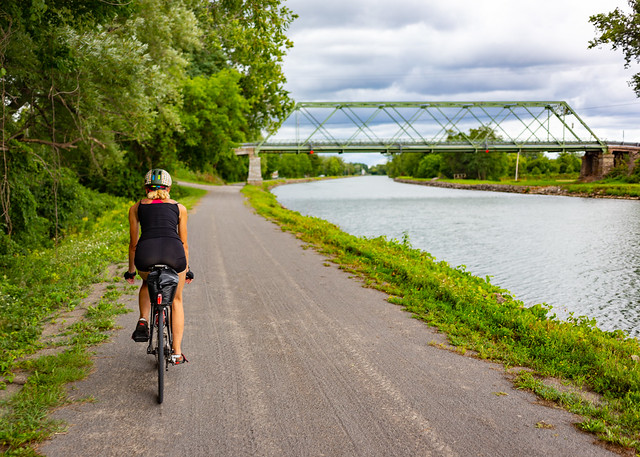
(579, 255)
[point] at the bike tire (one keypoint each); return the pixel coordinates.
(161, 356)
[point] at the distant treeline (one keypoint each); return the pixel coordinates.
(482, 165)
(491, 166)
(305, 165)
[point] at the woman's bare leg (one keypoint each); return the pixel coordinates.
(177, 316)
(144, 303)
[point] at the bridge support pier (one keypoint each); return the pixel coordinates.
(596, 164)
(255, 169)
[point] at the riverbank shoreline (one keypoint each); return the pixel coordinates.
(532, 190)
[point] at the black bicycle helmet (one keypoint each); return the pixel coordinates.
(157, 178)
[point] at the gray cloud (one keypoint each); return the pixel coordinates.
(461, 50)
(375, 13)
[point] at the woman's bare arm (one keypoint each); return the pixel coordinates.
(133, 237)
(182, 233)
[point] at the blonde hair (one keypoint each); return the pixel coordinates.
(158, 194)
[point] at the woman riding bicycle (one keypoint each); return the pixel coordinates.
(158, 235)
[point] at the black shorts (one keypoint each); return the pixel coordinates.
(160, 251)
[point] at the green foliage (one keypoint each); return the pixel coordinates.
(622, 31)
(480, 165)
(39, 282)
(430, 166)
(379, 169)
(308, 165)
(250, 36)
(103, 91)
(568, 163)
(207, 176)
(46, 202)
(290, 165)
(484, 166)
(404, 164)
(213, 120)
(634, 177)
(479, 316)
(605, 189)
(541, 165)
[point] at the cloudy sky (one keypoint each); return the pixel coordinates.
(462, 50)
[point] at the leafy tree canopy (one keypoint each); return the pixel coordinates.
(622, 31)
(99, 91)
(250, 36)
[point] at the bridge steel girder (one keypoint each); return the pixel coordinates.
(428, 127)
(428, 148)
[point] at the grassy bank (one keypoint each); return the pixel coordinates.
(480, 317)
(37, 290)
(568, 187)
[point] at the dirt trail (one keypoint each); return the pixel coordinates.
(289, 356)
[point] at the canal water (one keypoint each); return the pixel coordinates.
(579, 255)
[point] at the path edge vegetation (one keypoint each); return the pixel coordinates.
(39, 290)
(598, 371)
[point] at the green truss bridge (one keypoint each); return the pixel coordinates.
(424, 127)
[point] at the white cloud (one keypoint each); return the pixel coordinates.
(374, 50)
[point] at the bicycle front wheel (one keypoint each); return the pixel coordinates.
(161, 355)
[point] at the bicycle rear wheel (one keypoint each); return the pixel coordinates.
(161, 355)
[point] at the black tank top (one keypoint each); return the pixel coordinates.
(159, 220)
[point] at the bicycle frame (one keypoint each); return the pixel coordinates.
(162, 282)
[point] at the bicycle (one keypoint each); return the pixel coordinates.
(162, 283)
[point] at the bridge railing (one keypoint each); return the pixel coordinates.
(430, 127)
(449, 146)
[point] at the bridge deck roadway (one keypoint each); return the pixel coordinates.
(290, 356)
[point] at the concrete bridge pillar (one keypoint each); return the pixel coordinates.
(595, 165)
(255, 170)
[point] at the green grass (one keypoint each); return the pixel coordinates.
(37, 286)
(481, 317)
(606, 189)
(188, 196)
(595, 189)
(184, 174)
(40, 283)
(521, 182)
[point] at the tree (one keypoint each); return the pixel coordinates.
(568, 162)
(99, 91)
(481, 165)
(380, 169)
(249, 36)
(404, 164)
(430, 166)
(542, 165)
(621, 31)
(334, 166)
(57, 111)
(213, 119)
